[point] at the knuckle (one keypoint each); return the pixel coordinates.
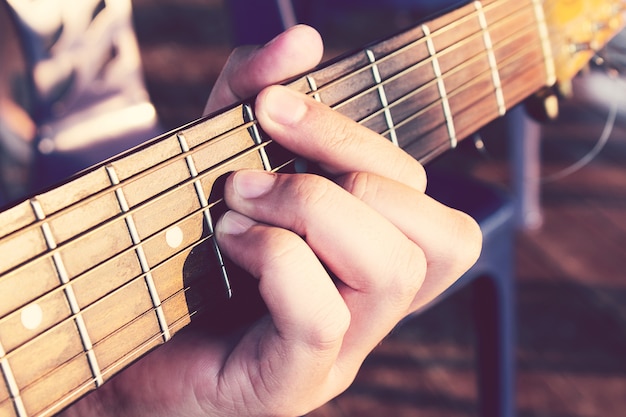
(467, 240)
(361, 185)
(409, 266)
(330, 328)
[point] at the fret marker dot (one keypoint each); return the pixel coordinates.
(32, 316)
(174, 237)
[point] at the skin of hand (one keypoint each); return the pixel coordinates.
(391, 250)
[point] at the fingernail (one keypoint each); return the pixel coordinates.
(252, 184)
(284, 106)
(233, 223)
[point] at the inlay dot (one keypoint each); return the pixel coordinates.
(32, 316)
(174, 237)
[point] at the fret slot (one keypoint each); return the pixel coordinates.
(433, 142)
(7, 409)
(450, 22)
(418, 81)
(176, 309)
(507, 43)
(47, 352)
(410, 56)
(473, 68)
(218, 126)
(417, 105)
(148, 185)
(161, 149)
(91, 213)
(170, 277)
(106, 278)
(74, 191)
(479, 89)
(163, 245)
(22, 247)
(15, 218)
(94, 248)
(458, 55)
(377, 122)
(361, 106)
(165, 210)
(471, 117)
(116, 350)
(33, 279)
(247, 160)
(105, 316)
(195, 267)
(460, 34)
(32, 320)
(4, 391)
(220, 150)
(63, 380)
(499, 16)
(516, 91)
(524, 45)
(338, 70)
(428, 119)
(347, 87)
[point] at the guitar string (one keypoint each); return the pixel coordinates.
(140, 276)
(129, 249)
(379, 61)
(237, 129)
(245, 126)
(122, 358)
(190, 214)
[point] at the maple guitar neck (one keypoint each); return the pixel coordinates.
(109, 265)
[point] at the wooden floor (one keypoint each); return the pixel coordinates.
(570, 273)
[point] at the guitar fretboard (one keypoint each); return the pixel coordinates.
(100, 270)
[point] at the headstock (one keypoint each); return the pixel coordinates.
(578, 29)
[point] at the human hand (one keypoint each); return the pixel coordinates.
(389, 249)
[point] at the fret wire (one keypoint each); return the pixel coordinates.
(442, 87)
(143, 276)
(382, 96)
(256, 136)
(246, 126)
(413, 67)
(398, 51)
(140, 175)
(14, 390)
(116, 366)
(468, 85)
(542, 27)
(69, 292)
(418, 90)
(204, 204)
(254, 124)
(117, 190)
(279, 167)
(141, 256)
(313, 86)
(252, 149)
(492, 58)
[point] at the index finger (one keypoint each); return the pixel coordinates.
(314, 131)
(250, 68)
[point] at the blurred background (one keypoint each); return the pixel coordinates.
(569, 263)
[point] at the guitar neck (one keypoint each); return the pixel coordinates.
(102, 269)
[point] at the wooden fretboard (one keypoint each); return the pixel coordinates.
(102, 269)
